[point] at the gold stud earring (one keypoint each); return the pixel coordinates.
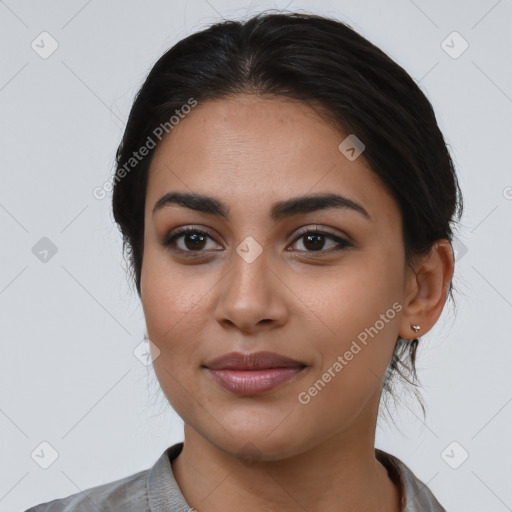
(415, 328)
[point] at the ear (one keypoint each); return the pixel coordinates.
(426, 289)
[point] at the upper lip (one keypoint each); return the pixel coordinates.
(252, 361)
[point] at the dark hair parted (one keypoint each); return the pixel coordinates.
(323, 62)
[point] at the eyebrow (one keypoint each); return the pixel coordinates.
(280, 210)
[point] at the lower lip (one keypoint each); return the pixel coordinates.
(254, 382)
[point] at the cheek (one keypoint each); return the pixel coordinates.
(172, 311)
(353, 297)
(173, 298)
(360, 309)
(363, 327)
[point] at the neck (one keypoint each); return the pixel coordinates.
(340, 474)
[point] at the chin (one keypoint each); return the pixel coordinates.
(251, 445)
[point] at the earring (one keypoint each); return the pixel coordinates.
(415, 328)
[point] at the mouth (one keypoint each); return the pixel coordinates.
(253, 373)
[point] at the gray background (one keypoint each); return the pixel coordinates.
(70, 322)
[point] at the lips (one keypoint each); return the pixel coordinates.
(252, 361)
(253, 373)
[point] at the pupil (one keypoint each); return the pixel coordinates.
(316, 240)
(196, 239)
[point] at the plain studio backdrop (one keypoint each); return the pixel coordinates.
(75, 384)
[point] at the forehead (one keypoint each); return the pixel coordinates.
(253, 150)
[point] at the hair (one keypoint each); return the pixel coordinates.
(325, 63)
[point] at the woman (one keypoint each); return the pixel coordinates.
(285, 198)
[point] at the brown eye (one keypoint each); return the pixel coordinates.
(189, 240)
(194, 241)
(315, 241)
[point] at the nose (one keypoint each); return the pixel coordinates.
(251, 297)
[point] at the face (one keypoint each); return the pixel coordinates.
(320, 285)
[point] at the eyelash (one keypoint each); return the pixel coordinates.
(168, 241)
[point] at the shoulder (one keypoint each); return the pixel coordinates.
(127, 494)
(143, 491)
(416, 496)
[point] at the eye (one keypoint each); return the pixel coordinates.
(192, 239)
(314, 241)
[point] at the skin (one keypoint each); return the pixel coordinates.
(250, 152)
